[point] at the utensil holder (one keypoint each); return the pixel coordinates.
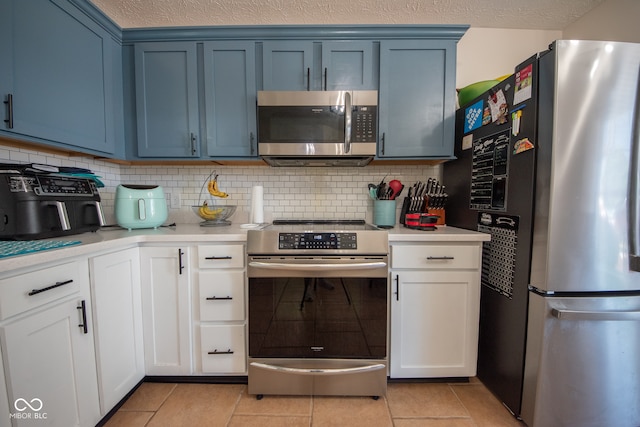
(384, 213)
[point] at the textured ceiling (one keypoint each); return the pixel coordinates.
(525, 14)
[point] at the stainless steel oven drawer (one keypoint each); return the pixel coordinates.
(334, 377)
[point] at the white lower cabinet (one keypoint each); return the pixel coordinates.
(435, 301)
(4, 399)
(117, 314)
(220, 317)
(48, 347)
(222, 348)
(166, 310)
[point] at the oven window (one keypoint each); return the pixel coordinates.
(318, 317)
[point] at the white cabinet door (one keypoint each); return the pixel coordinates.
(117, 314)
(166, 310)
(4, 399)
(434, 323)
(50, 362)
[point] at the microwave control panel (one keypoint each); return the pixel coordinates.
(318, 241)
(364, 120)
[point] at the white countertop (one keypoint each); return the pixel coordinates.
(441, 234)
(112, 239)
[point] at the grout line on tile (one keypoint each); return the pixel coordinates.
(453, 390)
(167, 396)
(235, 405)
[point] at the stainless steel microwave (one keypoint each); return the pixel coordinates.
(317, 128)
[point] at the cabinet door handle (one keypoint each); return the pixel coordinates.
(193, 144)
(83, 309)
(180, 265)
(251, 139)
(57, 285)
(382, 141)
(214, 298)
(219, 257)
(308, 78)
(9, 119)
(397, 292)
(439, 258)
(220, 352)
(325, 78)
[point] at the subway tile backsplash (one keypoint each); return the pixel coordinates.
(309, 193)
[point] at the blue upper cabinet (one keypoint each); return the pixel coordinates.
(349, 65)
(230, 98)
(287, 65)
(328, 65)
(166, 85)
(60, 77)
(417, 99)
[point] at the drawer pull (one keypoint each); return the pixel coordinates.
(83, 325)
(220, 352)
(48, 288)
(219, 257)
(439, 258)
(214, 298)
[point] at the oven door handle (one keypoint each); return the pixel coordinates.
(318, 267)
(319, 371)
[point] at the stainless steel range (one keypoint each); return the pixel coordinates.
(318, 308)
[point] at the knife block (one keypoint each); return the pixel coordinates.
(440, 212)
(408, 207)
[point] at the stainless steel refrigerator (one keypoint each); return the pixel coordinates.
(560, 307)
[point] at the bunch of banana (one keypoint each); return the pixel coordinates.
(209, 213)
(214, 190)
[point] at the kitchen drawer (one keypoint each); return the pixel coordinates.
(30, 290)
(435, 257)
(221, 256)
(221, 295)
(223, 349)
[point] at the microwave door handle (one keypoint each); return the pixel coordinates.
(347, 122)
(634, 187)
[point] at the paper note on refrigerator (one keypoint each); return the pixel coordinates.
(523, 84)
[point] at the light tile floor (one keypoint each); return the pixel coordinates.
(406, 405)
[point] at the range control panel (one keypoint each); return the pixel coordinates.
(317, 241)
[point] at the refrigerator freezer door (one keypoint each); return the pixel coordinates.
(582, 364)
(587, 117)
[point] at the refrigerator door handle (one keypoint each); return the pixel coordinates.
(595, 315)
(634, 187)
